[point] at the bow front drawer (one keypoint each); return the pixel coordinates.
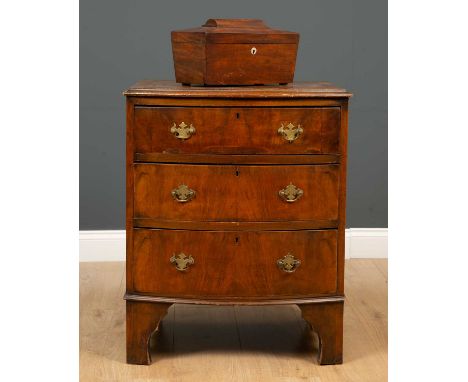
(183, 263)
(191, 130)
(241, 193)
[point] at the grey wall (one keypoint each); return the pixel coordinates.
(342, 41)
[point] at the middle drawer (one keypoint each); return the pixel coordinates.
(236, 193)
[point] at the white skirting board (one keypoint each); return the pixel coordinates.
(102, 245)
(110, 245)
(366, 243)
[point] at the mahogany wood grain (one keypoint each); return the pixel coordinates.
(342, 197)
(224, 100)
(327, 321)
(191, 62)
(234, 225)
(237, 226)
(129, 175)
(228, 64)
(240, 301)
(241, 193)
(234, 52)
(234, 264)
(237, 130)
(237, 158)
(234, 31)
(143, 319)
(294, 91)
(236, 23)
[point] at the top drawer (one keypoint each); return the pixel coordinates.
(192, 130)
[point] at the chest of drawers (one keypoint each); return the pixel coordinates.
(236, 196)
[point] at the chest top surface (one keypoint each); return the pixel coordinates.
(156, 88)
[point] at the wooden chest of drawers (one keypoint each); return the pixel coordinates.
(236, 196)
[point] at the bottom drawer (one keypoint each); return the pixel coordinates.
(176, 263)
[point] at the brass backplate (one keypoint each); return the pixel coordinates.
(183, 193)
(181, 261)
(183, 131)
(288, 263)
(290, 132)
(290, 193)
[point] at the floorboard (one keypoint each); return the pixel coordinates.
(208, 343)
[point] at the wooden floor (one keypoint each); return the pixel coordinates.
(200, 343)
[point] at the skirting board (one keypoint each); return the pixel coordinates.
(110, 245)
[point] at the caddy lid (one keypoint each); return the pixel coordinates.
(235, 31)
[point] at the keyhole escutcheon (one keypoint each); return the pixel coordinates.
(253, 51)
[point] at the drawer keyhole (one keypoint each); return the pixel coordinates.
(237, 115)
(237, 171)
(237, 240)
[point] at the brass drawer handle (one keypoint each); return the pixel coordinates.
(288, 263)
(290, 132)
(184, 131)
(181, 261)
(183, 194)
(290, 193)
